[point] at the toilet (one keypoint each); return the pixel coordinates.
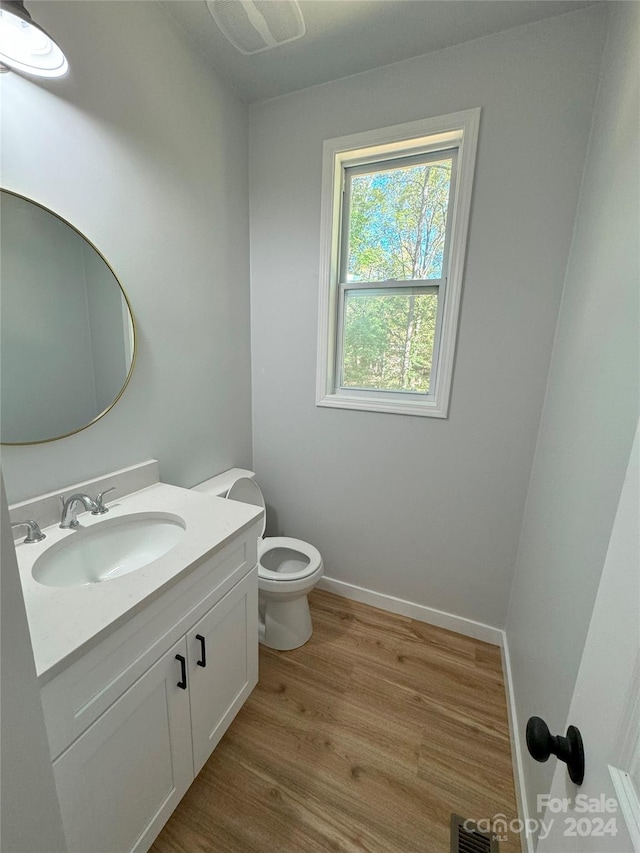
(288, 569)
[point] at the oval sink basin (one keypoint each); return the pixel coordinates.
(108, 549)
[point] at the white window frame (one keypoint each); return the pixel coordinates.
(457, 131)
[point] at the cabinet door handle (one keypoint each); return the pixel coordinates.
(182, 684)
(203, 651)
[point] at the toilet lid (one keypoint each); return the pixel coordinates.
(247, 491)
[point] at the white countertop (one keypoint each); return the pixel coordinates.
(65, 621)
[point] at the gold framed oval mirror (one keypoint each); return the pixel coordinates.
(67, 332)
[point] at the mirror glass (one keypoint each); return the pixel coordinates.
(67, 336)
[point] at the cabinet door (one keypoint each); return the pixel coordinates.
(119, 781)
(226, 641)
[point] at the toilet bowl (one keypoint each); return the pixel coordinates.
(288, 569)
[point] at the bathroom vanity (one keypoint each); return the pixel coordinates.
(142, 674)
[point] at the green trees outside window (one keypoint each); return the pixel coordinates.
(397, 221)
(389, 339)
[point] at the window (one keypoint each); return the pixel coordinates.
(394, 223)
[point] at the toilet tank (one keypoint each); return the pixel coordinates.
(221, 483)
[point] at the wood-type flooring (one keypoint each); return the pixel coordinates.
(365, 739)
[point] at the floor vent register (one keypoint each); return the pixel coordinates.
(467, 838)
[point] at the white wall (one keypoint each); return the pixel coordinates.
(427, 510)
(590, 411)
(144, 150)
(30, 819)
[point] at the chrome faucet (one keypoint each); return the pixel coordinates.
(69, 510)
(34, 534)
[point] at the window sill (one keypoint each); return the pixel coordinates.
(425, 409)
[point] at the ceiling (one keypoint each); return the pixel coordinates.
(346, 37)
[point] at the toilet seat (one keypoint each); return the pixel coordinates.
(297, 546)
(248, 491)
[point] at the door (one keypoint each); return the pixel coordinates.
(222, 650)
(119, 781)
(603, 814)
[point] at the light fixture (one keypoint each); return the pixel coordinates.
(25, 46)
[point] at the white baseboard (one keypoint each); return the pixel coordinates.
(439, 618)
(469, 628)
(516, 752)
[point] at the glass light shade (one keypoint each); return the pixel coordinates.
(26, 47)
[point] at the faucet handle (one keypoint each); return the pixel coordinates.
(100, 507)
(34, 534)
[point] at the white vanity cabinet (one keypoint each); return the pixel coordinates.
(119, 782)
(132, 722)
(222, 654)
